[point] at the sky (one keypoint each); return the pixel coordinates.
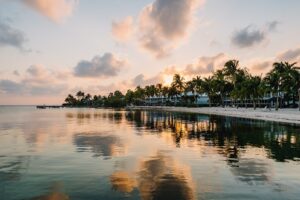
(50, 48)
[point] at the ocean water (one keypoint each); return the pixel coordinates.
(89, 154)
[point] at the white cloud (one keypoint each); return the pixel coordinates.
(36, 81)
(107, 65)
(10, 36)
(248, 37)
(252, 36)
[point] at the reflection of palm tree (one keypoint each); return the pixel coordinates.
(228, 134)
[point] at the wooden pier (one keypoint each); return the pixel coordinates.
(47, 106)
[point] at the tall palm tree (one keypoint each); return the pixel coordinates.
(159, 87)
(165, 91)
(80, 95)
(255, 88)
(290, 81)
(273, 80)
(207, 87)
(198, 85)
(190, 86)
(230, 69)
(87, 99)
(139, 94)
(178, 84)
(283, 79)
(223, 87)
(70, 100)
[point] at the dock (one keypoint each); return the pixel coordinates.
(48, 106)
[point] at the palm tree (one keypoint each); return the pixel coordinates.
(198, 85)
(139, 94)
(283, 78)
(159, 87)
(223, 87)
(129, 97)
(178, 84)
(207, 88)
(70, 100)
(190, 86)
(290, 81)
(87, 99)
(80, 95)
(165, 92)
(255, 88)
(230, 69)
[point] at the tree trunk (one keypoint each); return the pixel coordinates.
(299, 99)
(254, 104)
(277, 103)
(294, 100)
(222, 101)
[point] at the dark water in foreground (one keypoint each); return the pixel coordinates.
(105, 154)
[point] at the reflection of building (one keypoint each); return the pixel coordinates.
(230, 134)
(252, 171)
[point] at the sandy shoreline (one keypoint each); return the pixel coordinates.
(283, 115)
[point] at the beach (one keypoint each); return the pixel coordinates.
(282, 115)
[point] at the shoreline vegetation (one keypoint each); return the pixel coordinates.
(230, 88)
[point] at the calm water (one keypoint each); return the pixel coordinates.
(105, 154)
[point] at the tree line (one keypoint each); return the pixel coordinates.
(232, 83)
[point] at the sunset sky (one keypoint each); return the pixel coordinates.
(50, 48)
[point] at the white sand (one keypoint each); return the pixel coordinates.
(282, 115)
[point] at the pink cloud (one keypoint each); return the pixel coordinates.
(56, 10)
(164, 24)
(122, 30)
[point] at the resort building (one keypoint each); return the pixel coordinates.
(268, 100)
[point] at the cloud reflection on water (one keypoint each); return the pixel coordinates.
(99, 144)
(157, 177)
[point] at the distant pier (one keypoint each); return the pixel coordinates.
(47, 106)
